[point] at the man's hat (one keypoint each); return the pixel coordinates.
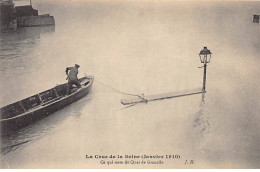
(77, 65)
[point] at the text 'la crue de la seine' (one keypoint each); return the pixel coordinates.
(133, 156)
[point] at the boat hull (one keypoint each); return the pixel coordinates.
(10, 125)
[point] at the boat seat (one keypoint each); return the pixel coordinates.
(52, 100)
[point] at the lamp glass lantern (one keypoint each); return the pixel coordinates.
(204, 55)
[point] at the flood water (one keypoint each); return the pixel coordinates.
(138, 47)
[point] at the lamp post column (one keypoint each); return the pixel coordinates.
(204, 77)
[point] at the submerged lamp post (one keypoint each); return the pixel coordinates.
(204, 58)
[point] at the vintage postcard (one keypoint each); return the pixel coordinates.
(115, 84)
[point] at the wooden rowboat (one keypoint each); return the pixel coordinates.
(24, 112)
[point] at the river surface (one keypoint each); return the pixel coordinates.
(138, 47)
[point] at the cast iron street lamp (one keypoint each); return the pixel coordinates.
(204, 58)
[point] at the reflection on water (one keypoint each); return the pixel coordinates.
(201, 120)
(19, 45)
(16, 42)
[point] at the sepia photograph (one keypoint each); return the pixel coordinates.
(129, 84)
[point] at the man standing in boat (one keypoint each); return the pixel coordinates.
(72, 77)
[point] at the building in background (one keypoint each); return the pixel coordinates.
(8, 19)
(21, 16)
